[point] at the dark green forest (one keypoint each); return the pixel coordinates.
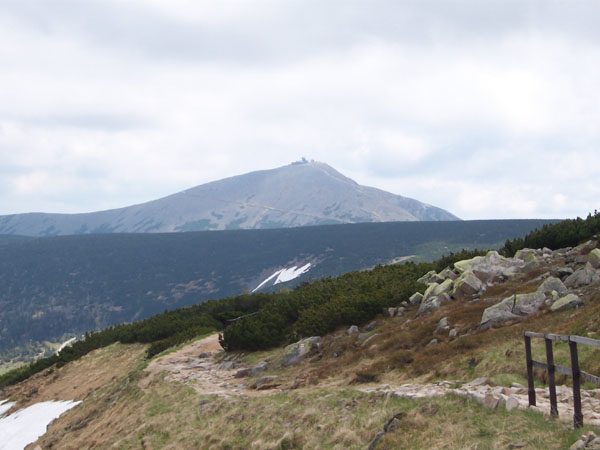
(57, 287)
(312, 308)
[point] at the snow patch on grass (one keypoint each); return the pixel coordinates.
(27, 425)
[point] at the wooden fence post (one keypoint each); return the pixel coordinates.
(577, 414)
(530, 385)
(551, 382)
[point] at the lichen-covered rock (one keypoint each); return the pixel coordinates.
(570, 301)
(513, 307)
(416, 298)
(296, 352)
(466, 284)
(442, 288)
(552, 284)
(594, 258)
(528, 256)
(429, 291)
(582, 277)
(447, 274)
(429, 277)
(490, 268)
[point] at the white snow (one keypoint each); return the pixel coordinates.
(26, 425)
(5, 405)
(284, 275)
(65, 344)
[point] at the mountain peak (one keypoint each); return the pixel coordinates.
(299, 194)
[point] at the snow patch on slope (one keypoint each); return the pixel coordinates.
(284, 275)
(5, 405)
(27, 425)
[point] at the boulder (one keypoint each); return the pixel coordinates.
(513, 307)
(444, 287)
(585, 248)
(258, 368)
(429, 304)
(429, 277)
(528, 256)
(582, 277)
(242, 373)
(370, 326)
(390, 312)
(443, 324)
(552, 284)
(429, 291)
(569, 301)
(466, 284)
(453, 333)
(266, 382)
(563, 272)
(447, 274)
(296, 352)
(489, 268)
(594, 258)
(352, 330)
(416, 298)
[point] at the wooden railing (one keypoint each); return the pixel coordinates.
(552, 368)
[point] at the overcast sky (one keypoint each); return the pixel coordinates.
(489, 109)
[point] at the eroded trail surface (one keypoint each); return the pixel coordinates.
(502, 397)
(196, 365)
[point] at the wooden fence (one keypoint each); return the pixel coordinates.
(552, 368)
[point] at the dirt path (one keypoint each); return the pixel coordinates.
(195, 365)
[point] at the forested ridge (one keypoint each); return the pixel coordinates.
(312, 308)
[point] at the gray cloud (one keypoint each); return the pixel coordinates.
(488, 109)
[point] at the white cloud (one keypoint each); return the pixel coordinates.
(489, 112)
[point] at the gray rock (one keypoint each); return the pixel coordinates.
(448, 274)
(563, 272)
(552, 284)
(205, 355)
(258, 368)
(429, 304)
(466, 284)
(265, 382)
(416, 298)
(477, 382)
(491, 401)
(513, 307)
(432, 342)
(453, 333)
(242, 373)
(371, 326)
(352, 330)
(511, 403)
(489, 268)
(429, 277)
(429, 291)
(582, 277)
(295, 353)
(594, 258)
(569, 301)
(390, 312)
(379, 436)
(444, 287)
(442, 324)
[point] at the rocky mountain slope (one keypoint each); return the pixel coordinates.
(443, 369)
(300, 194)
